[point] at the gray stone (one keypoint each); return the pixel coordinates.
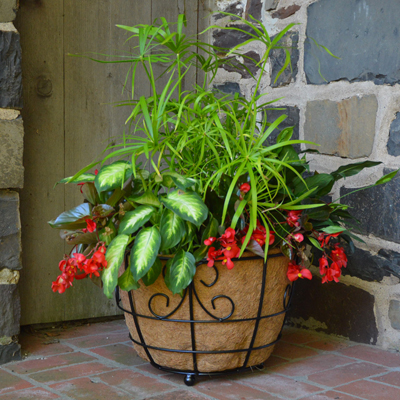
(377, 209)
(393, 145)
(278, 57)
(253, 9)
(226, 39)
(11, 153)
(345, 129)
(10, 352)
(335, 308)
(10, 310)
(229, 88)
(249, 64)
(364, 34)
(271, 4)
(235, 8)
(394, 314)
(286, 12)
(8, 10)
(293, 119)
(10, 70)
(10, 231)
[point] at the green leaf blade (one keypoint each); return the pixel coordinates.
(180, 271)
(133, 220)
(172, 229)
(112, 176)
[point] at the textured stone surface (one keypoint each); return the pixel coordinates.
(253, 8)
(293, 119)
(8, 276)
(394, 314)
(229, 87)
(8, 10)
(11, 153)
(271, 4)
(393, 145)
(278, 57)
(249, 61)
(10, 70)
(364, 34)
(336, 308)
(10, 231)
(235, 8)
(10, 310)
(286, 12)
(228, 38)
(11, 352)
(345, 129)
(377, 209)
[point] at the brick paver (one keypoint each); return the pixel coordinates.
(96, 361)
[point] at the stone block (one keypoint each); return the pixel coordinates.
(243, 67)
(8, 10)
(286, 12)
(344, 129)
(393, 145)
(236, 8)
(253, 8)
(10, 310)
(271, 4)
(8, 276)
(10, 70)
(394, 314)
(11, 352)
(377, 209)
(10, 231)
(363, 34)
(278, 57)
(293, 119)
(226, 39)
(335, 308)
(11, 153)
(228, 88)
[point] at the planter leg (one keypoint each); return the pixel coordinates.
(190, 380)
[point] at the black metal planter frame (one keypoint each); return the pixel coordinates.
(190, 375)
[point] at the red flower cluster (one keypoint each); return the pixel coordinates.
(293, 217)
(229, 249)
(69, 268)
(259, 234)
(334, 271)
(296, 271)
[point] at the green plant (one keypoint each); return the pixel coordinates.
(215, 188)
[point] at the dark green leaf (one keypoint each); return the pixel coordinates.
(146, 198)
(315, 243)
(90, 193)
(333, 229)
(73, 219)
(210, 231)
(352, 169)
(180, 271)
(153, 273)
(126, 281)
(172, 229)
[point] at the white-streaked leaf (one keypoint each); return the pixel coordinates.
(144, 251)
(188, 205)
(86, 177)
(180, 271)
(133, 220)
(153, 273)
(114, 256)
(172, 229)
(112, 176)
(146, 198)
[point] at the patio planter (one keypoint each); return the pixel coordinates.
(226, 320)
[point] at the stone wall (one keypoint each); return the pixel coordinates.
(351, 107)
(11, 179)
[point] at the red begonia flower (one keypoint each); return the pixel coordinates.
(91, 225)
(244, 187)
(298, 237)
(296, 271)
(293, 217)
(212, 255)
(209, 241)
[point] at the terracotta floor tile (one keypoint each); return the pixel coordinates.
(70, 372)
(329, 345)
(392, 378)
(371, 390)
(100, 340)
(9, 382)
(41, 346)
(93, 329)
(120, 353)
(291, 351)
(179, 395)
(222, 389)
(90, 389)
(271, 383)
(29, 366)
(310, 366)
(376, 356)
(30, 394)
(273, 361)
(330, 395)
(135, 383)
(346, 374)
(299, 337)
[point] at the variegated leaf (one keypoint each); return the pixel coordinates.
(112, 176)
(153, 273)
(144, 251)
(147, 198)
(133, 220)
(172, 229)
(83, 178)
(188, 205)
(180, 271)
(114, 256)
(126, 281)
